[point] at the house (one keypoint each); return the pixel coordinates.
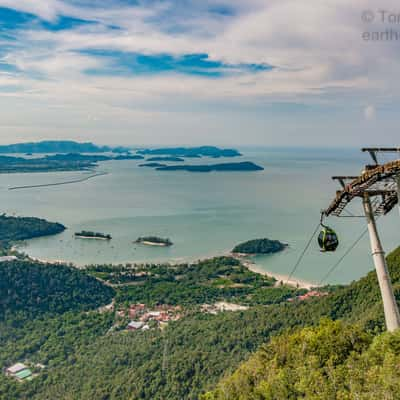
(308, 295)
(24, 374)
(15, 368)
(8, 258)
(154, 314)
(135, 325)
(19, 371)
(136, 309)
(312, 293)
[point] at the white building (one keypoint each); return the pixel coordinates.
(135, 325)
(7, 258)
(15, 368)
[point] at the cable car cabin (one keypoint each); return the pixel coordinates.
(327, 239)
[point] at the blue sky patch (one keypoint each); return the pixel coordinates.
(63, 23)
(12, 19)
(123, 63)
(5, 67)
(222, 10)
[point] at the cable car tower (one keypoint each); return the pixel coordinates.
(379, 188)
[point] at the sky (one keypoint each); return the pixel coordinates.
(223, 72)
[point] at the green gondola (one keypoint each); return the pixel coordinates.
(328, 239)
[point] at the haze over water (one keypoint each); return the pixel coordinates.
(204, 214)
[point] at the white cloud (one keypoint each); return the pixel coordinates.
(316, 47)
(45, 9)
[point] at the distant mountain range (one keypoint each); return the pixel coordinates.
(59, 146)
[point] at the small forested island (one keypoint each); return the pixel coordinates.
(23, 228)
(196, 152)
(240, 166)
(91, 157)
(152, 165)
(76, 157)
(165, 159)
(92, 235)
(154, 241)
(128, 157)
(259, 246)
(59, 146)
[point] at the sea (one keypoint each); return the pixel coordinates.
(204, 214)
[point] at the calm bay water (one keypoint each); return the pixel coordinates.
(203, 214)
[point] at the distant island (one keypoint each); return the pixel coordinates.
(76, 157)
(10, 164)
(59, 146)
(153, 165)
(58, 162)
(207, 151)
(90, 157)
(172, 159)
(92, 235)
(239, 166)
(129, 157)
(259, 246)
(154, 241)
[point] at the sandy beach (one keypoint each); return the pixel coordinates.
(300, 283)
(91, 237)
(45, 261)
(147, 243)
(295, 282)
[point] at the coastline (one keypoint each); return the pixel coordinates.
(45, 261)
(250, 265)
(300, 283)
(147, 243)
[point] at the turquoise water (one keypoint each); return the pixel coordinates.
(203, 214)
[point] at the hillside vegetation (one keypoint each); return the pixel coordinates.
(33, 288)
(331, 361)
(190, 357)
(335, 360)
(206, 281)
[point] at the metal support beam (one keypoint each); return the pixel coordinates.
(373, 156)
(390, 308)
(398, 190)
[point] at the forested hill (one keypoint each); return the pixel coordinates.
(33, 288)
(332, 361)
(190, 356)
(361, 300)
(22, 228)
(340, 360)
(57, 146)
